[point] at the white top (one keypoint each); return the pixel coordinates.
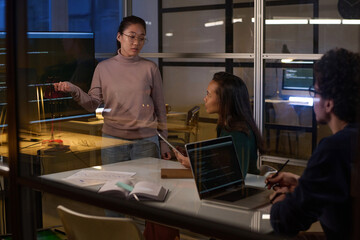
(183, 196)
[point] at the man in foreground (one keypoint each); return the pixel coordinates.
(322, 193)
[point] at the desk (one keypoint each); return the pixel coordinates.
(38, 158)
(91, 127)
(53, 160)
(183, 195)
(178, 115)
(290, 116)
(95, 127)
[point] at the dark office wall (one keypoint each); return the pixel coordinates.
(38, 15)
(2, 15)
(99, 16)
(106, 20)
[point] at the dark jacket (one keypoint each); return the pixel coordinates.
(323, 191)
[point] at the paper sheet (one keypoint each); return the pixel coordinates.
(94, 177)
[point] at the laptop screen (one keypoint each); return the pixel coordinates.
(215, 165)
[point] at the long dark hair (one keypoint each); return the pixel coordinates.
(126, 22)
(234, 109)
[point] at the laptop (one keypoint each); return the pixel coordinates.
(218, 176)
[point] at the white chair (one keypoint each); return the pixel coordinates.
(80, 226)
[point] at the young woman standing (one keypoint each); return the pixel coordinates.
(130, 87)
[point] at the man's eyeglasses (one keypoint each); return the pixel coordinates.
(313, 92)
(132, 38)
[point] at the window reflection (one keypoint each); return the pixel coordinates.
(206, 34)
(314, 27)
(55, 57)
(288, 121)
(3, 99)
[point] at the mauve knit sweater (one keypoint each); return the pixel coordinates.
(131, 90)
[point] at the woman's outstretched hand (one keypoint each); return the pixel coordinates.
(62, 87)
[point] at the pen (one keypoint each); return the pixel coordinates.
(136, 197)
(277, 172)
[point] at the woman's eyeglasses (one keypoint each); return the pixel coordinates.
(132, 38)
(313, 92)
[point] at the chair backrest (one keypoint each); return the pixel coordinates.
(80, 226)
(285, 114)
(193, 116)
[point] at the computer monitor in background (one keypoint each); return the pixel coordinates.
(296, 81)
(53, 57)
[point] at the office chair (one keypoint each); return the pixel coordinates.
(190, 127)
(80, 226)
(285, 115)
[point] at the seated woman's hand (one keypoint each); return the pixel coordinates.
(182, 150)
(185, 161)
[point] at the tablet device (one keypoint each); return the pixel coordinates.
(167, 142)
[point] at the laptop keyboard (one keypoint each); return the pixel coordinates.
(238, 195)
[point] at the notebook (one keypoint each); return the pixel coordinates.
(218, 176)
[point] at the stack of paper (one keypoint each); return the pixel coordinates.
(95, 177)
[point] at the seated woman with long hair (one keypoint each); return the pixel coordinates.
(227, 95)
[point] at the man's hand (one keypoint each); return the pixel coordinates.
(278, 195)
(283, 179)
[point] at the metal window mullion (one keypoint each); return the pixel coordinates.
(127, 11)
(294, 56)
(258, 63)
(196, 55)
(20, 197)
(258, 66)
(229, 35)
(160, 40)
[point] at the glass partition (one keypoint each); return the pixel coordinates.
(189, 3)
(4, 151)
(66, 40)
(194, 31)
(3, 98)
(289, 128)
(63, 144)
(56, 134)
(243, 27)
(286, 28)
(310, 26)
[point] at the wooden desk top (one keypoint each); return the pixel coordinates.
(76, 141)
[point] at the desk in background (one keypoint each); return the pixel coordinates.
(83, 150)
(172, 115)
(295, 116)
(183, 196)
(38, 158)
(94, 126)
